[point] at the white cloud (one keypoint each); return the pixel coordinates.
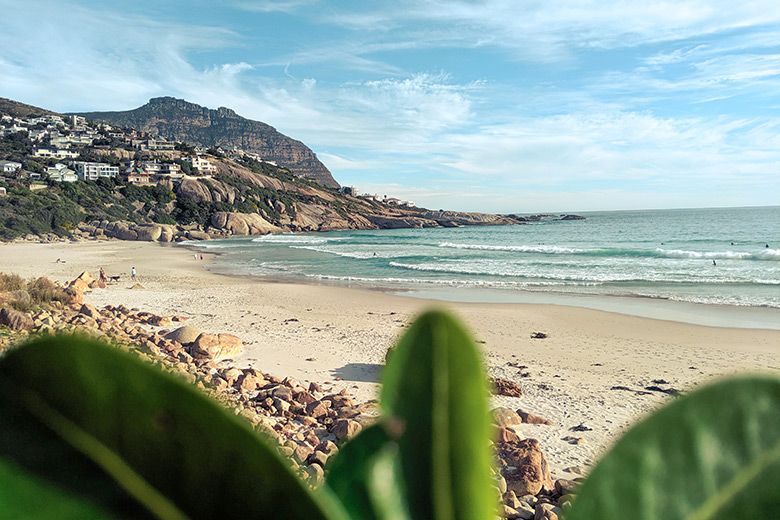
(551, 30)
(341, 163)
(463, 144)
(110, 59)
(274, 6)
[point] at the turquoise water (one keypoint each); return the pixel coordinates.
(709, 256)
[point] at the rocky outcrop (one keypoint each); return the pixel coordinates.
(521, 219)
(458, 218)
(122, 230)
(216, 346)
(506, 417)
(308, 421)
(242, 223)
(179, 120)
(185, 335)
(526, 470)
(400, 222)
(206, 190)
(14, 319)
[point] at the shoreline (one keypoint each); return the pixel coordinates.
(593, 368)
(656, 308)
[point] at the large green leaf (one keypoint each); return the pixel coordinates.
(435, 392)
(89, 431)
(365, 476)
(710, 455)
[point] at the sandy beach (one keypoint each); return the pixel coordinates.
(340, 335)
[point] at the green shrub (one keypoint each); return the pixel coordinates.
(88, 430)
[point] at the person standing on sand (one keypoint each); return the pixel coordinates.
(133, 274)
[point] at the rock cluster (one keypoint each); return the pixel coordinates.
(307, 421)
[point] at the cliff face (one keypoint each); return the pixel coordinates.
(179, 120)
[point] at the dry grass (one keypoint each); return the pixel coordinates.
(11, 282)
(28, 295)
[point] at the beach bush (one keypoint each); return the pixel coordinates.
(27, 295)
(44, 291)
(11, 282)
(89, 430)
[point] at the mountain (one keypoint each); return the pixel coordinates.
(17, 109)
(179, 120)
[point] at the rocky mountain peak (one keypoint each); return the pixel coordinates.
(226, 112)
(180, 120)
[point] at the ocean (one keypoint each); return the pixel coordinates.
(726, 256)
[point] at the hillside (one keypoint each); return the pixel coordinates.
(17, 109)
(243, 198)
(172, 193)
(179, 120)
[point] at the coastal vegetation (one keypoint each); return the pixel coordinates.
(27, 295)
(201, 186)
(115, 429)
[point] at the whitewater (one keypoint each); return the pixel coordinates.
(721, 256)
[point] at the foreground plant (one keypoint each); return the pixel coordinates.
(89, 431)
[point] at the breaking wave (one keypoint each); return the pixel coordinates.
(767, 254)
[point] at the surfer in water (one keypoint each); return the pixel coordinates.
(713, 263)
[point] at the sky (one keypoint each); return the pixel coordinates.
(493, 105)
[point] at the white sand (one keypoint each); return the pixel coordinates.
(327, 334)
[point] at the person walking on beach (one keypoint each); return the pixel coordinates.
(133, 273)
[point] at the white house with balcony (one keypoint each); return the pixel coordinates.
(202, 165)
(54, 153)
(92, 171)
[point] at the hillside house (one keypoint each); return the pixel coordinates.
(202, 165)
(54, 153)
(139, 177)
(150, 167)
(77, 122)
(392, 201)
(153, 144)
(349, 190)
(9, 167)
(160, 169)
(61, 173)
(92, 171)
(3, 192)
(38, 134)
(66, 141)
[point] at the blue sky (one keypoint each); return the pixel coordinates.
(492, 105)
